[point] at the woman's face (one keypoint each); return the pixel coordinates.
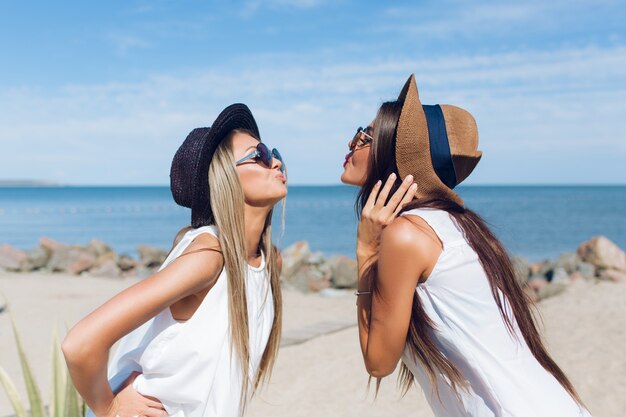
(357, 160)
(263, 186)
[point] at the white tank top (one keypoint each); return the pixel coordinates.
(188, 365)
(504, 377)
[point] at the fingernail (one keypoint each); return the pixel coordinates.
(414, 186)
(393, 175)
(408, 178)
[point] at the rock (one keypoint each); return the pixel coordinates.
(587, 270)
(559, 275)
(126, 263)
(98, 248)
(576, 276)
(107, 268)
(309, 278)
(612, 275)
(294, 257)
(602, 253)
(38, 257)
(50, 245)
(521, 267)
(343, 272)
(316, 258)
(567, 261)
(105, 257)
(547, 268)
(151, 256)
(551, 290)
(140, 272)
(13, 259)
(535, 268)
(537, 281)
(71, 259)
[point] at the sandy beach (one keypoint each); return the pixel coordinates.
(319, 370)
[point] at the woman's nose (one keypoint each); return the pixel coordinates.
(275, 161)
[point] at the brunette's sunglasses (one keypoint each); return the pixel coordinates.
(361, 138)
(262, 153)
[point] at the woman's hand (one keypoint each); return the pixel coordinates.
(375, 215)
(129, 403)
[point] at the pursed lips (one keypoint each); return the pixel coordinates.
(348, 156)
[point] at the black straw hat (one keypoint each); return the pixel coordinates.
(189, 174)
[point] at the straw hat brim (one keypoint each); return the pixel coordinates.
(413, 150)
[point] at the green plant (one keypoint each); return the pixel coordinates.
(64, 399)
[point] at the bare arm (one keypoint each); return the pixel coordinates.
(404, 254)
(87, 344)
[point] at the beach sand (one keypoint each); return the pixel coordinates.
(319, 371)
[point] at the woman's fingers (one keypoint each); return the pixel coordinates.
(372, 197)
(153, 402)
(399, 194)
(406, 199)
(154, 412)
(382, 197)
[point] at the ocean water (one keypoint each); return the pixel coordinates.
(533, 221)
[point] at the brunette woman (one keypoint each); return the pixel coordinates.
(436, 288)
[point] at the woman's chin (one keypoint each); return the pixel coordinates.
(347, 179)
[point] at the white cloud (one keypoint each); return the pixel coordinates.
(123, 43)
(525, 103)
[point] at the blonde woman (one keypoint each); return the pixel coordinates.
(198, 336)
(436, 289)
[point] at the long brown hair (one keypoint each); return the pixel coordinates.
(227, 203)
(491, 253)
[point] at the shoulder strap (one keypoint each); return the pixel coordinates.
(198, 250)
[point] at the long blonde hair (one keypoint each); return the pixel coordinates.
(227, 204)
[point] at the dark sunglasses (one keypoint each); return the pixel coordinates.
(361, 138)
(262, 153)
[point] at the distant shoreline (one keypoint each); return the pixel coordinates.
(28, 183)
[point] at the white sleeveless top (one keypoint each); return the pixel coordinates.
(504, 377)
(188, 365)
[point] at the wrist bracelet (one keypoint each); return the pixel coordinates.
(357, 292)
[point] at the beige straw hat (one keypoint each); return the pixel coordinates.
(436, 144)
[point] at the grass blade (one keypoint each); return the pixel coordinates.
(11, 391)
(72, 406)
(57, 392)
(34, 397)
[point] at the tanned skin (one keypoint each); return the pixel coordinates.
(406, 249)
(181, 286)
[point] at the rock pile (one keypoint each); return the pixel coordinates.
(95, 259)
(307, 271)
(598, 258)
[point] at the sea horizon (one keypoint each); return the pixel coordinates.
(534, 221)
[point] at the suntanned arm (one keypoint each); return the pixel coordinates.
(404, 254)
(87, 344)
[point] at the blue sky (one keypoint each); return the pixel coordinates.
(104, 92)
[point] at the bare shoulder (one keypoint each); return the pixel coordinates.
(410, 237)
(402, 234)
(200, 262)
(203, 240)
